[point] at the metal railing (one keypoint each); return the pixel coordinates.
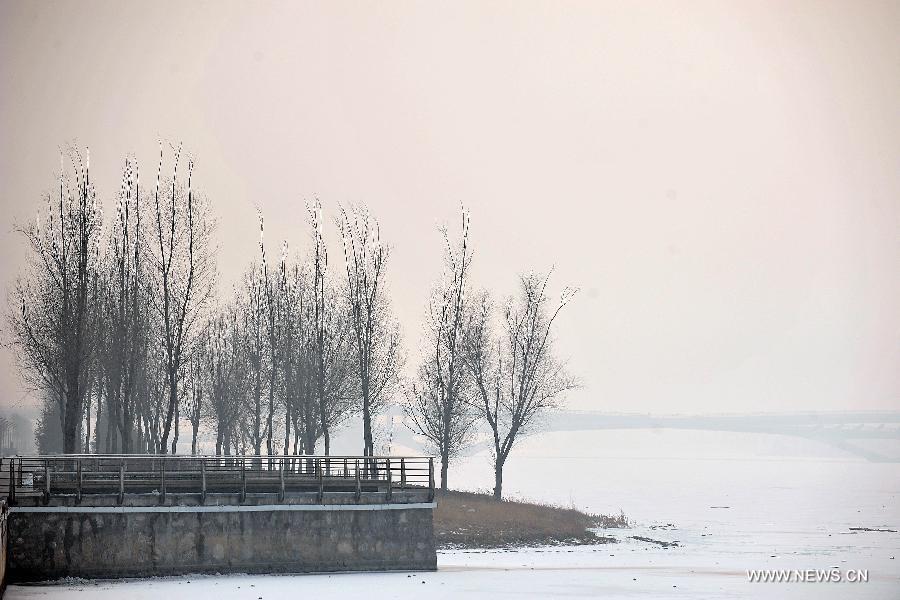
(92, 474)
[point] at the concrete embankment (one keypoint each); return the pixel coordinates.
(142, 538)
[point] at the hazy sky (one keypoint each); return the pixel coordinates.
(721, 179)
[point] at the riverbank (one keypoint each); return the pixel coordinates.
(471, 520)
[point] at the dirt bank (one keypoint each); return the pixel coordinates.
(465, 519)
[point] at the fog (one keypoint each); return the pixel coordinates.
(720, 180)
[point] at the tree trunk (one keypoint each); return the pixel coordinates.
(368, 443)
(123, 426)
(140, 431)
(87, 431)
(270, 444)
(111, 421)
(498, 479)
(71, 438)
(195, 425)
(257, 417)
(287, 428)
(87, 414)
(97, 447)
(309, 442)
(323, 403)
(61, 403)
(445, 462)
(170, 410)
(175, 436)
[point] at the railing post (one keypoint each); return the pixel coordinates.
(162, 485)
(319, 477)
(78, 474)
(202, 481)
(346, 473)
(431, 479)
(46, 481)
(281, 480)
(403, 474)
(122, 482)
(12, 481)
(387, 466)
(358, 487)
(243, 480)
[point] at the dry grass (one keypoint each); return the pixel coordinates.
(477, 520)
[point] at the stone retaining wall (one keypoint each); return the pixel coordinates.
(134, 541)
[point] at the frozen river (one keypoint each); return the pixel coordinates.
(732, 502)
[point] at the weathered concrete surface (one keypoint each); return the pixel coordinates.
(50, 545)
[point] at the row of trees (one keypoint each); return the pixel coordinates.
(118, 324)
(299, 349)
(483, 367)
(106, 316)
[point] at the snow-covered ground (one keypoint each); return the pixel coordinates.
(625, 570)
(732, 502)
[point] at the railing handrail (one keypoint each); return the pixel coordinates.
(96, 474)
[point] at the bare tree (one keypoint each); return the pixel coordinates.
(252, 330)
(320, 333)
(437, 403)
(376, 336)
(294, 357)
(123, 325)
(326, 372)
(183, 271)
(52, 326)
(275, 293)
(516, 376)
